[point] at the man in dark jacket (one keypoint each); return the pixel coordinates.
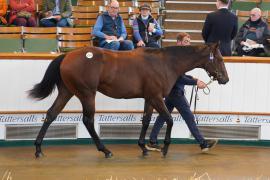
(251, 36)
(146, 30)
(110, 29)
(221, 26)
(177, 99)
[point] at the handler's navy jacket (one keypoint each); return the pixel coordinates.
(181, 82)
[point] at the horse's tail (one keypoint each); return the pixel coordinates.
(51, 78)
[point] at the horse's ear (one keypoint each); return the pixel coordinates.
(213, 46)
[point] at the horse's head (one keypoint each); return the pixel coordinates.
(214, 64)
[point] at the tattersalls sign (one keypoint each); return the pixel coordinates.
(134, 118)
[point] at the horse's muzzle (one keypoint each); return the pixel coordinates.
(223, 80)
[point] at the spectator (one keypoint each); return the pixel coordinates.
(146, 30)
(221, 26)
(3, 11)
(22, 13)
(56, 13)
(177, 99)
(252, 34)
(110, 29)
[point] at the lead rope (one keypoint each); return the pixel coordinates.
(197, 97)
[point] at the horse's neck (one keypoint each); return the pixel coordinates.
(182, 61)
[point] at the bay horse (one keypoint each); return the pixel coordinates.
(141, 73)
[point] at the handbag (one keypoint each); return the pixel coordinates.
(24, 14)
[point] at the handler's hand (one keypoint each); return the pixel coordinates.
(201, 84)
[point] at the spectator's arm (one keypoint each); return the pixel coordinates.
(266, 33)
(97, 28)
(239, 36)
(158, 31)
(31, 7)
(3, 11)
(136, 33)
(206, 29)
(67, 12)
(15, 6)
(235, 28)
(44, 7)
(123, 30)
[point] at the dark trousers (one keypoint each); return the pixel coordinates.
(152, 44)
(28, 22)
(179, 101)
(118, 45)
(63, 22)
(225, 48)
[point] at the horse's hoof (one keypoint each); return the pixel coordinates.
(164, 152)
(39, 154)
(108, 155)
(145, 153)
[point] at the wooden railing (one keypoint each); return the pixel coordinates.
(48, 56)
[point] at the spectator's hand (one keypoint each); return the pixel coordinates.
(120, 38)
(251, 42)
(48, 14)
(27, 5)
(151, 29)
(140, 43)
(201, 84)
(57, 17)
(110, 37)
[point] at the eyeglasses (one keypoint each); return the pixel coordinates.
(114, 7)
(186, 41)
(252, 15)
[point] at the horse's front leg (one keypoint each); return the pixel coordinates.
(88, 121)
(160, 106)
(147, 114)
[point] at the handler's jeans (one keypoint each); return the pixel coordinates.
(179, 101)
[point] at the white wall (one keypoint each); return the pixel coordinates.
(247, 90)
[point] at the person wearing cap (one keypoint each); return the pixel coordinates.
(110, 29)
(176, 99)
(146, 30)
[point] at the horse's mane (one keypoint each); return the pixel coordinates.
(187, 49)
(168, 49)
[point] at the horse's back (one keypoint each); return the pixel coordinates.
(118, 74)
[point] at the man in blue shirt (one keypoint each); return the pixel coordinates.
(146, 30)
(177, 99)
(111, 31)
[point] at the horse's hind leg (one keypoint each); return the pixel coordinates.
(160, 106)
(147, 114)
(63, 97)
(88, 104)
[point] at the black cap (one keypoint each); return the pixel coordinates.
(145, 6)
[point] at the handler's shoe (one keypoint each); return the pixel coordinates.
(153, 147)
(209, 144)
